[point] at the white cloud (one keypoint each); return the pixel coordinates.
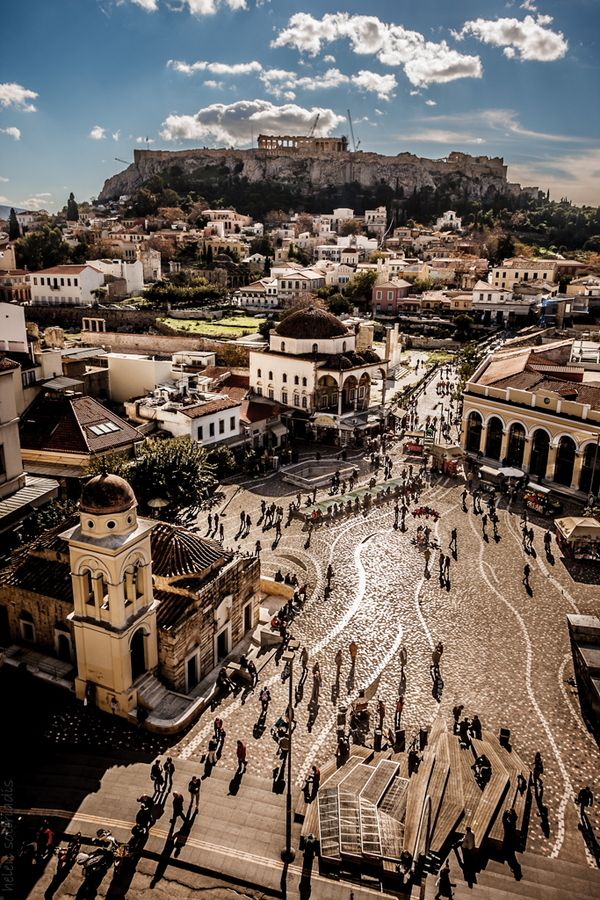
(527, 39)
(215, 68)
(442, 136)
(379, 112)
(215, 85)
(13, 132)
(196, 7)
(382, 85)
(116, 135)
(430, 103)
(16, 95)
(329, 58)
(282, 83)
(148, 5)
(574, 175)
(529, 5)
(3, 199)
(97, 133)
(144, 140)
(233, 123)
(37, 201)
(3, 179)
(424, 62)
(505, 120)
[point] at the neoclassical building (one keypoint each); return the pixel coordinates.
(313, 367)
(536, 409)
(143, 610)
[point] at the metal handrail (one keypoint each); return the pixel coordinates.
(426, 805)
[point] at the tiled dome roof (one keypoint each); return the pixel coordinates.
(177, 551)
(107, 494)
(311, 323)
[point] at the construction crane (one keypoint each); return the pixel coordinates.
(314, 126)
(355, 143)
(122, 160)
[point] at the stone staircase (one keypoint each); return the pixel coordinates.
(151, 692)
(542, 879)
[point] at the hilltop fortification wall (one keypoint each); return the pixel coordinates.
(474, 176)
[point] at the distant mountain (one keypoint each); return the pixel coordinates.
(5, 211)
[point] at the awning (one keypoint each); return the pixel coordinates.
(56, 470)
(575, 528)
(278, 429)
(511, 472)
(35, 492)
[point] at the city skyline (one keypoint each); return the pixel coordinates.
(512, 80)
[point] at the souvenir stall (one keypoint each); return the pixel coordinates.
(579, 537)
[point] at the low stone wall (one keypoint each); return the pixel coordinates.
(71, 316)
(312, 474)
(228, 353)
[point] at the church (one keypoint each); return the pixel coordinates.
(142, 610)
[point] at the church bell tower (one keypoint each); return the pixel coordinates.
(114, 614)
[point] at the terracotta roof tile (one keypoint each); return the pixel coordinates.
(212, 406)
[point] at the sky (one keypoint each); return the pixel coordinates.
(85, 82)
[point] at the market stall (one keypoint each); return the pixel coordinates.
(579, 537)
(414, 442)
(540, 500)
(446, 459)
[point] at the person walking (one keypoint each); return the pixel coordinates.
(463, 498)
(339, 658)
(211, 756)
(403, 656)
(156, 774)
(178, 803)
(257, 548)
(253, 673)
(537, 770)
(304, 658)
(194, 789)
(453, 546)
(475, 727)
(427, 555)
(526, 575)
(442, 567)
(221, 532)
(241, 758)
(584, 800)
(381, 713)
(444, 883)
(353, 649)
(169, 770)
(210, 521)
(456, 714)
(548, 542)
(265, 699)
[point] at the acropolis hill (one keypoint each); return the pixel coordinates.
(311, 164)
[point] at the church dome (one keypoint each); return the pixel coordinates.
(311, 323)
(105, 494)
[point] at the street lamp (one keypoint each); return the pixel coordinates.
(288, 854)
(593, 495)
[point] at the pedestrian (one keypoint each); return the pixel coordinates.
(463, 732)
(311, 785)
(248, 523)
(304, 658)
(253, 673)
(265, 699)
(216, 521)
(156, 774)
(444, 884)
(399, 710)
(463, 497)
(453, 546)
(585, 799)
(353, 648)
(403, 656)
(221, 532)
(217, 728)
(257, 548)
(381, 713)
(538, 768)
(169, 770)
(427, 555)
(339, 658)
(526, 574)
(447, 569)
(241, 758)
(442, 565)
(469, 854)
(475, 727)
(194, 789)
(456, 713)
(547, 542)
(210, 519)
(177, 807)
(211, 756)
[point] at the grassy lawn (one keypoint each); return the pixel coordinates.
(232, 326)
(439, 356)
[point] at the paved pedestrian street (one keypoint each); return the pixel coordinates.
(506, 654)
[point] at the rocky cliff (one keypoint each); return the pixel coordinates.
(471, 177)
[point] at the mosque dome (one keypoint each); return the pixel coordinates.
(106, 494)
(311, 323)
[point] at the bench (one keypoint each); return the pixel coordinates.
(453, 805)
(492, 795)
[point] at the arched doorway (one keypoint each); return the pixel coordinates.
(474, 425)
(565, 460)
(137, 650)
(63, 647)
(591, 456)
(495, 433)
(516, 445)
(540, 444)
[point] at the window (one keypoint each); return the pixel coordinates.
(258, 373)
(270, 376)
(28, 378)
(42, 281)
(68, 282)
(315, 348)
(74, 282)
(87, 588)
(200, 432)
(390, 295)
(284, 397)
(296, 379)
(283, 346)
(284, 377)
(62, 282)
(221, 426)
(489, 298)
(304, 402)
(271, 394)
(343, 351)
(211, 429)
(35, 280)
(304, 382)
(27, 627)
(378, 295)
(232, 423)
(104, 428)
(258, 391)
(296, 400)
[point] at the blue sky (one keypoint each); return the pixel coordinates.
(85, 81)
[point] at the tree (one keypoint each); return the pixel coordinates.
(463, 325)
(14, 229)
(72, 209)
(338, 304)
(359, 290)
(177, 470)
(42, 248)
(223, 461)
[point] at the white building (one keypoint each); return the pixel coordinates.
(294, 285)
(261, 294)
(132, 272)
(13, 331)
(69, 285)
(313, 368)
(499, 305)
(449, 220)
(209, 419)
(376, 220)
